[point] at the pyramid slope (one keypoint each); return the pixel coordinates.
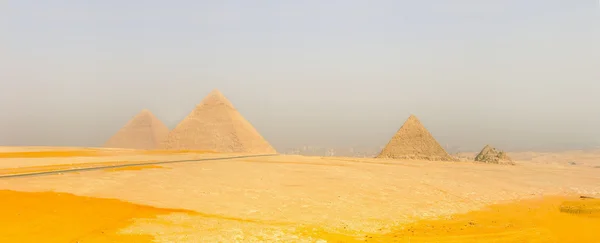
(491, 155)
(144, 131)
(216, 125)
(413, 141)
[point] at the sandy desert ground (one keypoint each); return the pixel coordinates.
(283, 198)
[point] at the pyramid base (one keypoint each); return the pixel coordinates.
(500, 162)
(417, 157)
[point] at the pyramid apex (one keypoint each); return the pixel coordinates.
(216, 92)
(413, 121)
(412, 117)
(487, 148)
(215, 97)
(144, 113)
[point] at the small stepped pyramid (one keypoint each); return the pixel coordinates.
(493, 156)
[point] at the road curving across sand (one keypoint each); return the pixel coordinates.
(69, 168)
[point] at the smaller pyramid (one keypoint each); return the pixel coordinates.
(144, 131)
(493, 156)
(413, 141)
(216, 125)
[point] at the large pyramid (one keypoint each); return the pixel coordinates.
(144, 131)
(493, 156)
(413, 141)
(216, 125)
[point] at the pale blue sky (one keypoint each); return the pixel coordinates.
(516, 74)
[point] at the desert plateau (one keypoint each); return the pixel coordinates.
(215, 179)
(288, 198)
(300, 121)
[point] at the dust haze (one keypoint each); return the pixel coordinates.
(331, 75)
(300, 121)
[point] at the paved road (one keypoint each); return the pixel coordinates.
(54, 172)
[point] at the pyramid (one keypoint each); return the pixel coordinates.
(493, 156)
(413, 141)
(217, 126)
(144, 131)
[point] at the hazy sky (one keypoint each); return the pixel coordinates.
(518, 74)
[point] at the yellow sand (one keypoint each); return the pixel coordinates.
(60, 217)
(46, 154)
(93, 153)
(553, 219)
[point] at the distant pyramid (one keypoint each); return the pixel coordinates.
(491, 155)
(413, 141)
(216, 125)
(144, 131)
